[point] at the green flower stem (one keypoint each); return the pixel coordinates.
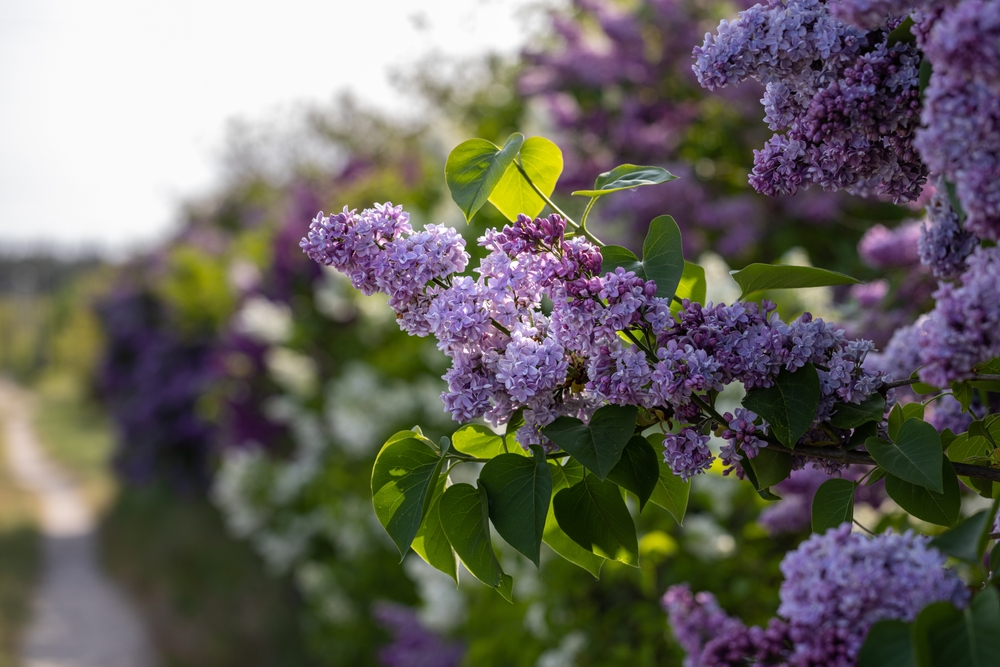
(581, 228)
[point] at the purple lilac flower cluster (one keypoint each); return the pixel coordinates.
(945, 244)
(964, 327)
(846, 124)
(837, 585)
(960, 139)
(507, 354)
(413, 645)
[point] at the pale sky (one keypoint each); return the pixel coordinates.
(114, 111)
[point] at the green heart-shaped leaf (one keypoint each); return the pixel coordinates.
(430, 542)
(662, 258)
(464, 516)
(638, 469)
(771, 467)
(966, 540)
(759, 277)
(543, 162)
(833, 504)
(479, 441)
(915, 456)
(789, 406)
(626, 177)
(944, 635)
(598, 445)
(938, 508)
(563, 477)
(887, 644)
(519, 490)
(852, 415)
(402, 483)
(594, 515)
(475, 167)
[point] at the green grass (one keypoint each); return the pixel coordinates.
(20, 561)
(206, 597)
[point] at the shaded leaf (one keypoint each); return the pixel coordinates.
(519, 491)
(944, 635)
(887, 644)
(915, 456)
(852, 415)
(671, 492)
(464, 516)
(938, 508)
(964, 541)
(789, 406)
(638, 469)
(594, 515)
(663, 255)
(598, 445)
(564, 477)
(833, 504)
(770, 467)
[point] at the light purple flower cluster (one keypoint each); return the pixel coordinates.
(413, 645)
(964, 327)
(944, 245)
(960, 139)
(379, 251)
(837, 585)
(507, 354)
(741, 435)
(843, 104)
(870, 14)
(884, 248)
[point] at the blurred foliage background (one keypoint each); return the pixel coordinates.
(240, 394)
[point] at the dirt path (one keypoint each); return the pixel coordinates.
(79, 620)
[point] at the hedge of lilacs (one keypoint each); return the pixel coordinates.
(592, 357)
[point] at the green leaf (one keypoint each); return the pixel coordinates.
(671, 492)
(759, 277)
(692, 286)
(564, 477)
(945, 636)
(861, 434)
(924, 75)
(598, 445)
(901, 33)
(964, 541)
(662, 258)
(613, 256)
(402, 484)
(915, 456)
(938, 508)
(626, 177)
(638, 469)
(475, 167)
(479, 441)
(833, 504)
(430, 541)
(789, 406)
(464, 515)
(770, 467)
(762, 491)
(852, 415)
(963, 393)
(965, 448)
(519, 490)
(543, 162)
(887, 644)
(594, 515)
(663, 255)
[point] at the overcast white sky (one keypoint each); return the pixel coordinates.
(112, 111)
